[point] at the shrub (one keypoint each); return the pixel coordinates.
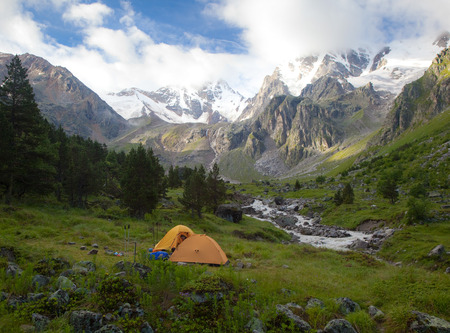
(418, 210)
(113, 291)
(362, 321)
(320, 179)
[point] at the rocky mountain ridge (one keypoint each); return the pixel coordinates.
(64, 100)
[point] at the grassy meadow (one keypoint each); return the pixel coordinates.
(275, 271)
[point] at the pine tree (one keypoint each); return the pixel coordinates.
(297, 185)
(28, 167)
(347, 194)
(338, 198)
(215, 188)
(194, 195)
(387, 187)
(142, 181)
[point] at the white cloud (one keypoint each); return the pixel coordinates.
(87, 14)
(272, 30)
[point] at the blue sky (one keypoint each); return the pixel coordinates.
(115, 44)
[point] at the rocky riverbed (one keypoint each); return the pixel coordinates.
(284, 214)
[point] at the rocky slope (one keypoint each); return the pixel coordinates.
(64, 100)
(420, 100)
(213, 103)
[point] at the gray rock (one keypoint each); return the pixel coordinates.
(286, 221)
(424, 323)
(278, 201)
(375, 313)
(229, 212)
(255, 325)
(13, 269)
(447, 271)
(95, 245)
(146, 328)
(40, 281)
(315, 303)
(84, 267)
(40, 322)
(93, 251)
(68, 273)
(294, 306)
(65, 283)
(339, 326)
(302, 325)
(85, 321)
(437, 251)
(61, 297)
(434, 194)
(346, 305)
(109, 329)
(359, 245)
(31, 297)
(83, 248)
(71, 243)
(3, 296)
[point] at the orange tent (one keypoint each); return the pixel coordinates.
(200, 249)
(173, 238)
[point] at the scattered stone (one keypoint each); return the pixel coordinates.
(239, 265)
(315, 303)
(146, 328)
(437, 251)
(285, 266)
(85, 321)
(130, 267)
(31, 297)
(68, 273)
(339, 326)
(65, 283)
(83, 248)
(423, 322)
(229, 212)
(84, 267)
(398, 264)
(109, 252)
(293, 305)
(375, 313)
(278, 201)
(95, 245)
(434, 194)
(105, 248)
(447, 271)
(109, 329)
(61, 297)
(248, 265)
(255, 325)
(40, 322)
(8, 253)
(302, 325)
(121, 274)
(40, 281)
(93, 251)
(287, 291)
(346, 305)
(3, 296)
(71, 243)
(359, 245)
(286, 221)
(13, 269)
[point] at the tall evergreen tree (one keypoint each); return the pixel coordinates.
(30, 155)
(387, 187)
(195, 194)
(142, 181)
(215, 188)
(347, 194)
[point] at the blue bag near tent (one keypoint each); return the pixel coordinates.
(158, 255)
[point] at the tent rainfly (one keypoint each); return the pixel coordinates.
(173, 238)
(200, 249)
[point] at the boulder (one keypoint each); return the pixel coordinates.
(301, 325)
(13, 269)
(255, 325)
(93, 251)
(60, 297)
(85, 321)
(423, 323)
(339, 326)
(437, 251)
(40, 322)
(346, 305)
(84, 267)
(40, 281)
(315, 303)
(375, 313)
(65, 283)
(146, 328)
(109, 329)
(286, 221)
(229, 212)
(278, 201)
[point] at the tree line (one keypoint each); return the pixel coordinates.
(38, 158)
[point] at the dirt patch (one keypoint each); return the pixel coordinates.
(371, 225)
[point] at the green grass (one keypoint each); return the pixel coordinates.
(239, 166)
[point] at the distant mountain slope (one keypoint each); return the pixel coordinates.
(420, 100)
(64, 100)
(214, 102)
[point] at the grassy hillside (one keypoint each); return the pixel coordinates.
(274, 273)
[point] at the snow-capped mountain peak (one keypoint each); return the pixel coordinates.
(215, 101)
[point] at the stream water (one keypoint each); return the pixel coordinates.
(309, 230)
